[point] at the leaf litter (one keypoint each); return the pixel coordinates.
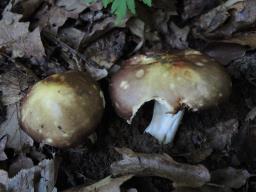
(52, 36)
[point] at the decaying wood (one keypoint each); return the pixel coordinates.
(161, 165)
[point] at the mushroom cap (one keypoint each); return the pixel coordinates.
(183, 79)
(62, 109)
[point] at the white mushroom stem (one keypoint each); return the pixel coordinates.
(164, 125)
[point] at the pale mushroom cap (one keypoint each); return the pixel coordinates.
(62, 109)
(187, 78)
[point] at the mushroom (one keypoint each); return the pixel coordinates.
(63, 109)
(185, 79)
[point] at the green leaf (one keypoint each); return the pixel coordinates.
(148, 2)
(106, 2)
(119, 8)
(131, 6)
(89, 1)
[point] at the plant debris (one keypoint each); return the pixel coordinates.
(161, 166)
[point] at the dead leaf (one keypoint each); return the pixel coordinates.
(39, 178)
(13, 83)
(105, 185)
(178, 36)
(160, 165)
(26, 8)
(17, 138)
(16, 38)
(3, 141)
(107, 50)
(192, 8)
(22, 162)
(3, 179)
(52, 16)
(224, 53)
(220, 136)
(227, 18)
(230, 177)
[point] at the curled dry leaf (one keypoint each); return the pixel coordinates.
(230, 177)
(16, 38)
(105, 185)
(160, 165)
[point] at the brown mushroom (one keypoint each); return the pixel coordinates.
(175, 81)
(62, 109)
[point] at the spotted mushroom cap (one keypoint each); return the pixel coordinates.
(62, 109)
(184, 79)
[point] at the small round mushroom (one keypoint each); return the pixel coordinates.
(186, 79)
(63, 109)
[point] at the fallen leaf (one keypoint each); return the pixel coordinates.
(3, 179)
(13, 82)
(39, 178)
(227, 18)
(21, 162)
(230, 177)
(17, 138)
(177, 37)
(160, 165)
(26, 8)
(107, 184)
(107, 50)
(3, 141)
(52, 16)
(220, 136)
(16, 38)
(224, 53)
(192, 8)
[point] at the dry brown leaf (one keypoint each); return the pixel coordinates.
(160, 165)
(17, 138)
(230, 177)
(107, 184)
(39, 178)
(16, 38)
(13, 83)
